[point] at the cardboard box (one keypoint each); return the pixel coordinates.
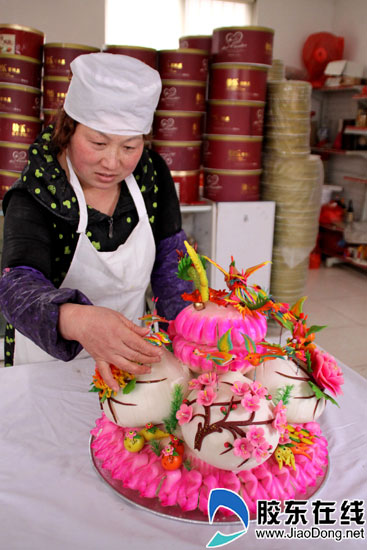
(343, 73)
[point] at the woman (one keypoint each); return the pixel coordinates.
(93, 219)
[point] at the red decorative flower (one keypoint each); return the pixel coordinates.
(327, 372)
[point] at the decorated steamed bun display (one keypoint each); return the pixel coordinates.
(224, 407)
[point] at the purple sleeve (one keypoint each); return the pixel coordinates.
(30, 303)
(166, 286)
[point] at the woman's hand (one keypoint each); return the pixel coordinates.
(109, 338)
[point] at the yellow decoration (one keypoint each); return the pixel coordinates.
(284, 455)
(148, 435)
(204, 285)
(134, 444)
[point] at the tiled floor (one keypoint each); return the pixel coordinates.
(337, 297)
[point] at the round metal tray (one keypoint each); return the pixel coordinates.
(175, 512)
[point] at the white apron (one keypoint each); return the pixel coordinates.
(117, 280)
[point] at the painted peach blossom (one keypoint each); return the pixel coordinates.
(184, 414)
(242, 447)
(206, 397)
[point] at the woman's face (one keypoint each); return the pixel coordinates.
(103, 160)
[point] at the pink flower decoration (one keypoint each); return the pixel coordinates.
(131, 434)
(250, 402)
(240, 388)
(194, 384)
(327, 372)
(242, 447)
(206, 397)
(280, 408)
(208, 378)
(261, 451)
(280, 422)
(184, 414)
(255, 436)
(259, 389)
(168, 450)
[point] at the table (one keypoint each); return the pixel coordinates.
(52, 498)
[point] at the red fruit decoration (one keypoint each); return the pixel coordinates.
(177, 444)
(318, 50)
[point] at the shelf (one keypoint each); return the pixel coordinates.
(197, 207)
(358, 263)
(355, 180)
(355, 130)
(330, 151)
(355, 88)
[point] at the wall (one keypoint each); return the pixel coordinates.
(350, 20)
(72, 21)
(83, 21)
(293, 21)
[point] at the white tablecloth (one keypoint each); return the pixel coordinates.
(52, 498)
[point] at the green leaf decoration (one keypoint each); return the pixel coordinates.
(283, 394)
(187, 464)
(314, 328)
(249, 343)
(184, 265)
(94, 389)
(104, 397)
(155, 446)
(320, 394)
(308, 361)
(170, 423)
(225, 343)
(129, 386)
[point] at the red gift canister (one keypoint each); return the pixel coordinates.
(147, 55)
(197, 42)
(19, 99)
(243, 45)
(13, 156)
(19, 40)
(243, 118)
(179, 155)
(237, 81)
(54, 91)
(49, 116)
(187, 185)
(182, 95)
(178, 125)
(7, 179)
(19, 128)
(20, 69)
(231, 185)
(232, 152)
(58, 57)
(185, 64)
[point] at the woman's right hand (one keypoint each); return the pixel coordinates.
(110, 338)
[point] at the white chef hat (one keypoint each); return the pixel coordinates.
(113, 93)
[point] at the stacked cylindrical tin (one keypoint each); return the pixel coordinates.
(57, 75)
(179, 119)
(241, 57)
(21, 51)
(147, 55)
(292, 177)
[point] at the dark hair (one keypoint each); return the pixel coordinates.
(64, 128)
